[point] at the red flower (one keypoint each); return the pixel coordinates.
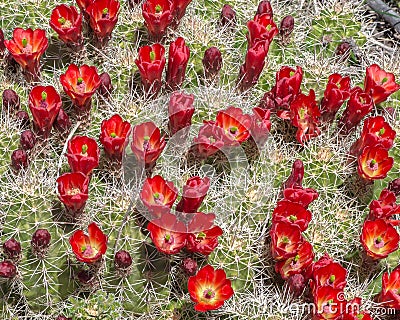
(151, 64)
(337, 91)
(26, 47)
(114, 136)
(379, 238)
(73, 191)
(147, 143)
(236, 125)
(103, 16)
(209, 288)
(83, 154)
(254, 63)
(379, 83)
(261, 29)
(180, 110)
(296, 264)
(80, 83)
(291, 212)
(332, 275)
(296, 176)
(158, 195)
(83, 4)
(322, 262)
(260, 125)
(167, 234)
(178, 58)
(286, 239)
(90, 248)
(329, 303)
(359, 105)
(305, 116)
(158, 15)
(390, 294)
(300, 195)
(374, 163)
(385, 207)
(205, 241)
(44, 103)
(194, 192)
(210, 139)
(67, 22)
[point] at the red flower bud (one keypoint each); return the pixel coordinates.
(122, 260)
(83, 154)
(286, 27)
(180, 9)
(12, 249)
(73, 191)
(151, 62)
(260, 125)
(62, 123)
(297, 284)
(67, 22)
(133, 3)
(11, 101)
(385, 207)
(228, 16)
(394, 186)
(389, 296)
(210, 139)
(7, 270)
(63, 318)
(262, 28)
(296, 176)
(23, 117)
(343, 49)
(265, 7)
(106, 87)
(158, 15)
(19, 160)
(189, 266)
(40, 242)
(27, 140)
(374, 163)
(194, 192)
(178, 58)
(212, 62)
(180, 110)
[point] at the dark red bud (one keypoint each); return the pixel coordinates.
(11, 101)
(41, 239)
(394, 186)
(12, 249)
(343, 49)
(122, 260)
(106, 87)
(27, 140)
(63, 318)
(212, 62)
(84, 277)
(264, 7)
(228, 16)
(7, 269)
(296, 283)
(287, 26)
(23, 117)
(19, 160)
(62, 123)
(2, 46)
(189, 266)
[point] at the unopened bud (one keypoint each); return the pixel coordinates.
(106, 87)
(296, 284)
(23, 117)
(12, 249)
(189, 266)
(343, 49)
(212, 62)
(264, 7)
(27, 140)
(228, 16)
(394, 186)
(62, 123)
(287, 26)
(122, 260)
(40, 242)
(8, 270)
(19, 160)
(11, 101)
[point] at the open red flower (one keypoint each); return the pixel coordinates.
(147, 143)
(103, 16)
(236, 125)
(261, 29)
(167, 234)
(80, 83)
(260, 125)
(390, 294)
(374, 163)
(286, 239)
(83, 154)
(44, 103)
(151, 62)
(209, 288)
(178, 58)
(158, 195)
(291, 212)
(114, 136)
(385, 207)
(332, 275)
(323, 261)
(379, 238)
(353, 311)
(180, 110)
(210, 139)
(73, 190)
(194, 192)
(158, 15)
(26, 47)
(300, 195)
(329, 303)
(204, 242)
(89, 248)
(379, 83)
(336, 93)
(67, 22)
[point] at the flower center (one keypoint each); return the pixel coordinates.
(332, 279)
(88, 251)
(362, 100)
(285, 240)
(65, 24)
(84, 150)
(43, 103)
(24, 42)
(372, 164)
(158, 198)
(291, 74)
(201, 236)
(378, 243)
(105, 14)
(212, 139)
(152, 56)
(208, 294)
(158, 8)
(302, 113)
(113, 135)
(233, 130)
(73, 191)
(384, 80)
(146, 143)
(381, 132)
(292, 218)
(168, 238)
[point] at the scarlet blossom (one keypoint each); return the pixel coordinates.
(322, 262)
(305, 115)
(147, 143)
(359, 105)
(194, 192)
(260, 125)
(261, 29)
(374, 163)
(291, 212)
(286, 239)
(329, 303)
(210, 139)
(296, 176)
(73, 191)
(236, 125)
(253, 65)
(264, 7)
(26, 48)
(83, 154)
(332, 275)
(158, 15)
(300, 195)
(83, 4)
(379, 238)
(67, 22)
(89, 248)
(390, 294)
(385, 207)
(204, 242)
(168, 234)
(209, 289)
(379, 83)
(114, 136)
(336, 93)
(297, 263)
(178, 58)
(151, 62)
(212, 62)
(353, 311)
(80, 84)
(158, 195)
(44, 103)
(103, 15)
(180, 111)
